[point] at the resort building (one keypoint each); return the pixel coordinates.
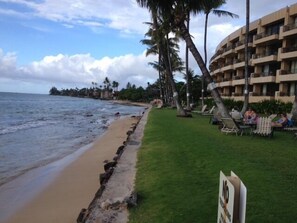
(272, 44)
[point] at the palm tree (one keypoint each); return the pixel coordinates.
(211, 6)
(166, 48)
(246, 58)
(115, 85)
(106, 83)
(187, 66)
(175, 12)
(294, 107)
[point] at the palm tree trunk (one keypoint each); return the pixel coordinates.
(180, 110)
(160, 80)
(187, 67)
(205, 57)
(214, 91)
(294, 107)
(246, 59)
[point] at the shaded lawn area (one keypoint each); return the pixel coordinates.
(180, 161)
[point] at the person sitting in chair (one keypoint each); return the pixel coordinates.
(280, 122)
(250, 117)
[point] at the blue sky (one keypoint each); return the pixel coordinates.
(71, 43)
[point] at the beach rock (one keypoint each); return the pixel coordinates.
(109, 165)
(82, 216)
(104, 177)
(120, 150)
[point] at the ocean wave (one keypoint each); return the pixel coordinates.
(24, 126)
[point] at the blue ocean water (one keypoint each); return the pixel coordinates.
(36, 130)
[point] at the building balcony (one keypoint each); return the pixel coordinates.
(240, 46)
(288, 30)
(287, 53)
(263, 58)
(217, 71)
(257, 78)
(217, 55)
(229, 50)
(228, 66)
(265, 38)
(238, 80)
(257, 97)
(225, 83)
(285, 76)
(282, 96)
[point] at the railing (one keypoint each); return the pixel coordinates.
(270, 74)
(238, 77)
(262, 94)
(263, 35)
(289, 49)
(257, 56)
(289, 27)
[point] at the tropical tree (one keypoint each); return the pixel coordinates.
(246, 58)
(175, 12)
(106, 83)
(167, 49)
(211, 6)
(294, 107)
(115, 85)
(187, 66)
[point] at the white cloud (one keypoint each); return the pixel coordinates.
(79, 70)
(123, 15)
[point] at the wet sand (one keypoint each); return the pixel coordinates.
(74, 187)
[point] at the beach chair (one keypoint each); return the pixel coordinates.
(272, 116)
(230, 126)
(264, 127)
(210, 112)
(202, 110)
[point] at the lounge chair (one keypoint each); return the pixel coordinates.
(272, 116)
(202, 110)
(210, 112)
(230, 126)
(264, 127)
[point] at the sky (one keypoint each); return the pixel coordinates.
(72, 43)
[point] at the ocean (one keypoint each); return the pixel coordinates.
(36, 130)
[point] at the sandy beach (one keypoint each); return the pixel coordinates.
(76, 184)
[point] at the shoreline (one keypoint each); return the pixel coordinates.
(73, 186)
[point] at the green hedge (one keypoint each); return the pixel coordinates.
(264, 107)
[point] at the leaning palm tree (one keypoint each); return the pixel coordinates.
(175, 13)
(211, 6)
(165, 48)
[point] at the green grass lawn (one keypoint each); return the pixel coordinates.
(180, 161)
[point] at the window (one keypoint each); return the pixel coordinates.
(293, 67)
(264, 89)
(292, 89)
(265, 70)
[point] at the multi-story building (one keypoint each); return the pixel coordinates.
(272, 44)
